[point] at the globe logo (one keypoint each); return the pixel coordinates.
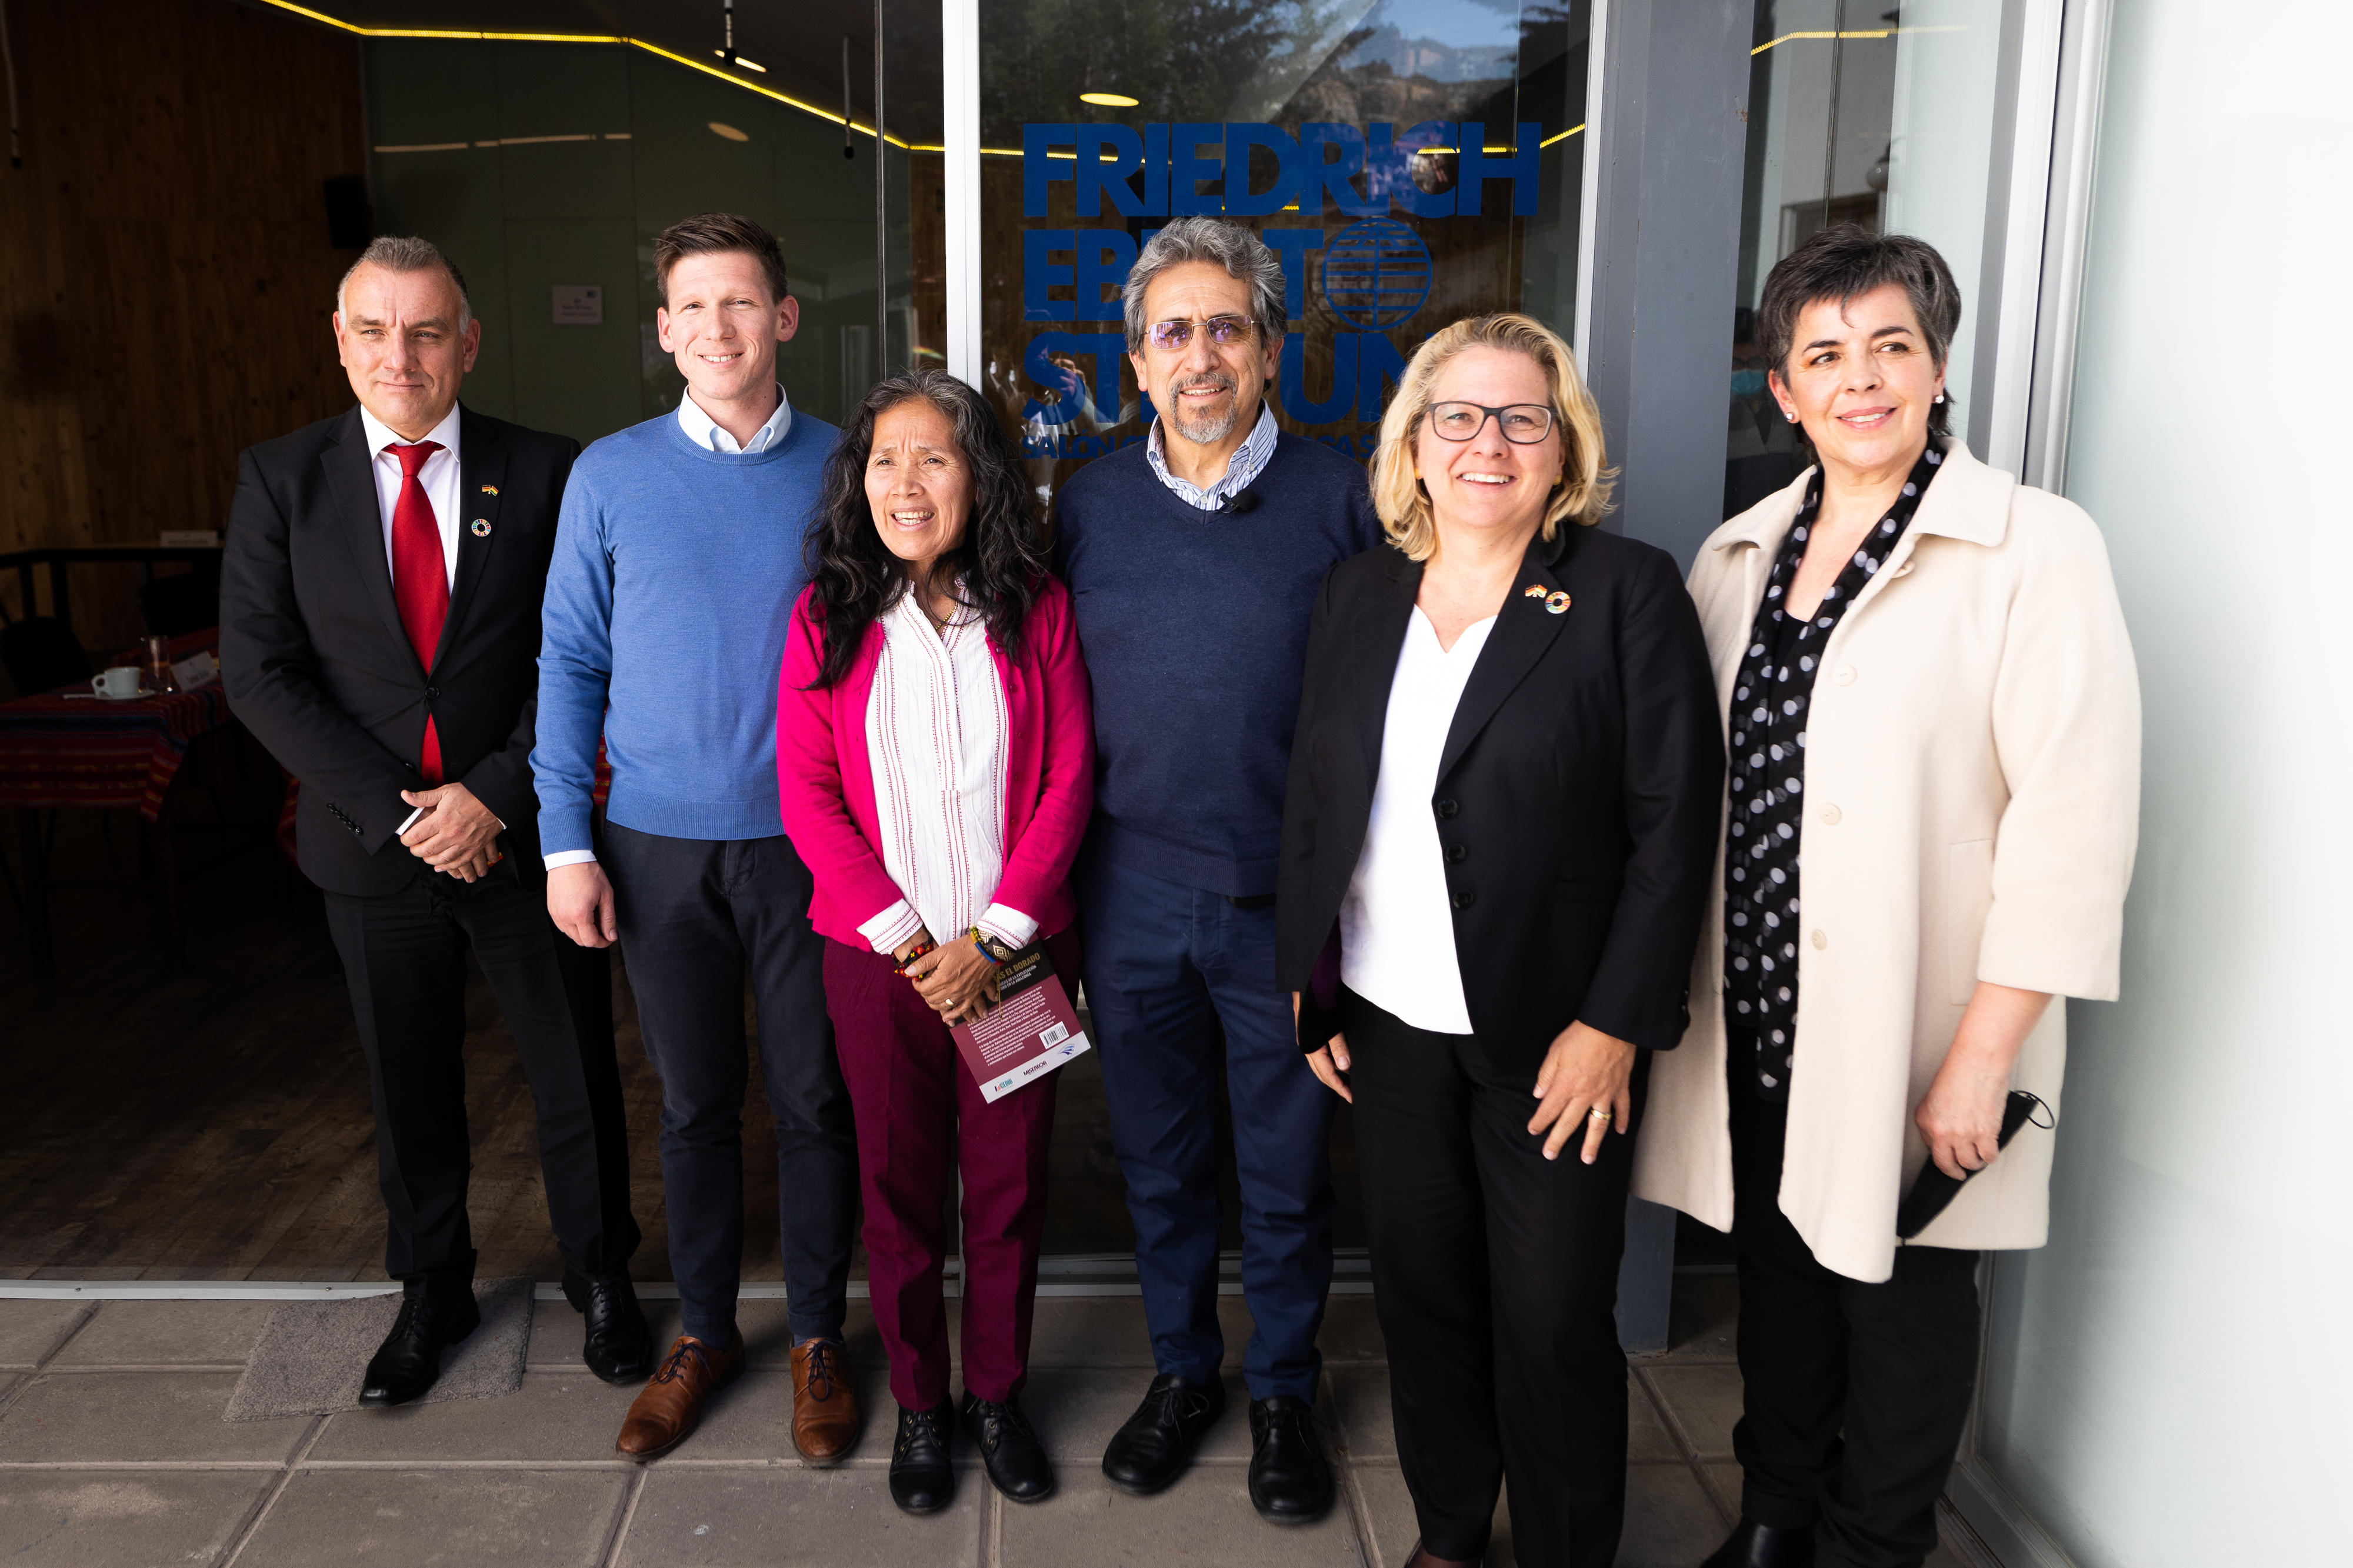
(1375, 273)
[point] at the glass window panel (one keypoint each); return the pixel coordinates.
(1335, 130)
(1874, 114)
(546, 169)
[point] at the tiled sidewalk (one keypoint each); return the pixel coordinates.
(112, 1451)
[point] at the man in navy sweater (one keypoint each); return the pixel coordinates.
(1193, 560)
(677, 562)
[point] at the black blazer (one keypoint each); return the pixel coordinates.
(316, 663)
(1579, 796)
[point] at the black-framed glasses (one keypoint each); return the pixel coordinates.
(1523, 424)
(1224, 331)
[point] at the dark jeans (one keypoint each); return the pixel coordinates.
(1167, 966)
(1495, 1278)
(699, 917)
(1855, 1394)
(405, 957)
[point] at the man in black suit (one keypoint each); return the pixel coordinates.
(380, 609)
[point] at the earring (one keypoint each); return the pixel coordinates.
(1940, 398)
(1792, 418)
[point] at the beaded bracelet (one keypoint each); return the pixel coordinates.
(980, 941)
(902, 966)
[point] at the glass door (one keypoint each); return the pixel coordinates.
(1410, 161)
(544, 164)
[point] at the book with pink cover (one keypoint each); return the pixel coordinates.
(1030, 1031)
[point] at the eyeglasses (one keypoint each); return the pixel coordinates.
(1523, 424)
(1224, 331)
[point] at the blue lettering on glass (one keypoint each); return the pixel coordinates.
(1365, 173)
(1375, 273)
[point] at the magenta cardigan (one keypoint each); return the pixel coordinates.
(824, 786)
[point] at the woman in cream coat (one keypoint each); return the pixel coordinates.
(1948, 739)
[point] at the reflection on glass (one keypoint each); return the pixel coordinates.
(1410, 161)
(1871, 113)
(546, 168)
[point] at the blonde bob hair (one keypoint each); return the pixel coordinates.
(1398, 492)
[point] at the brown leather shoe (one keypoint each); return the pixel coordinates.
(669, 1406)
(826, 1417)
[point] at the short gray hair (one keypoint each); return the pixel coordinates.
(1844, 262)
(1239, 251)
(407, 253)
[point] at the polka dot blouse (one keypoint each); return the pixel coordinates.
(1769, 704)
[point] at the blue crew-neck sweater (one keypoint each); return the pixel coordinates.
(1194, 628)
(675, 572)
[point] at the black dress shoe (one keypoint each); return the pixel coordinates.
(1155, 1445)
(433, 1314)
(1290, 1480)
(922, 1480)
(1755, 1545)
(1016, 1460)
(619, 1347)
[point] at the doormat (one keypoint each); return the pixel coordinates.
(313, 1354)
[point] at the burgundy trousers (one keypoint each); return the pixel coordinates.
(921, 1120)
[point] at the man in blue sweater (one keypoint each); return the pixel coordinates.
(677, 562)
(1193, 560)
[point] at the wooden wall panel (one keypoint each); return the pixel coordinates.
(165, 276)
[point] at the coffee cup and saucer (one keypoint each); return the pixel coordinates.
(118, 684)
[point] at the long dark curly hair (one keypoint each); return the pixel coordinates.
(996, 568)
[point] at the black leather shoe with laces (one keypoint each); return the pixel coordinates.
(619, 1346)
(922, 1479)
(1755, 1545)
(1290, 1480)
(1010, 1449)
(1156, 1443)
(433, 1314)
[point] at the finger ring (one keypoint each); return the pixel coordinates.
(1598, 1113)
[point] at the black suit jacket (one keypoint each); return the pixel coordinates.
(1579, 794)
(317, 665)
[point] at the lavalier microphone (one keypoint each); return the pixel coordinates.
(1240, 501)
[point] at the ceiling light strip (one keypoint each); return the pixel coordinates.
(470, 35)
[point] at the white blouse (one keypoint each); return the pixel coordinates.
(1396, 925)
(935, 726)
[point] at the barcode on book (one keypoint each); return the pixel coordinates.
(1054, 1035)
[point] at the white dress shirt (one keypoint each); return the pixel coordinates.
(1396, 923)
(704, 431)
(935, 726)
(439, 474)
(1242, 469)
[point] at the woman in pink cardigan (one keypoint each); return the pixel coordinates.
(935, 763)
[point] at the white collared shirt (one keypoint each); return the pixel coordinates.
(706, 431)
(935, 729)
(439, 474)
(1397, 923)
(1244, 466)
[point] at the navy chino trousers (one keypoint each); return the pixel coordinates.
(698, 917)
(1166, 965)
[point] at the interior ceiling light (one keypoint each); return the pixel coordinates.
(1109, 99)
(721, 128)
(743, 63)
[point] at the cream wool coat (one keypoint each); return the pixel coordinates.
(1972, 794)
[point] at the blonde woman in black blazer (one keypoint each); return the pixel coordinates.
(1501, 824)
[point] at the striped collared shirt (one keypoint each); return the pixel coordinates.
(1248, 462)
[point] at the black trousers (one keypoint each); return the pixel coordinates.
(1854, 1395)
(697, 918)
(405, 956)
(1495, 1278)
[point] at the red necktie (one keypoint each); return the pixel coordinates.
(421, 580)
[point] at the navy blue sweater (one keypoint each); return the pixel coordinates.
(1195, 627)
